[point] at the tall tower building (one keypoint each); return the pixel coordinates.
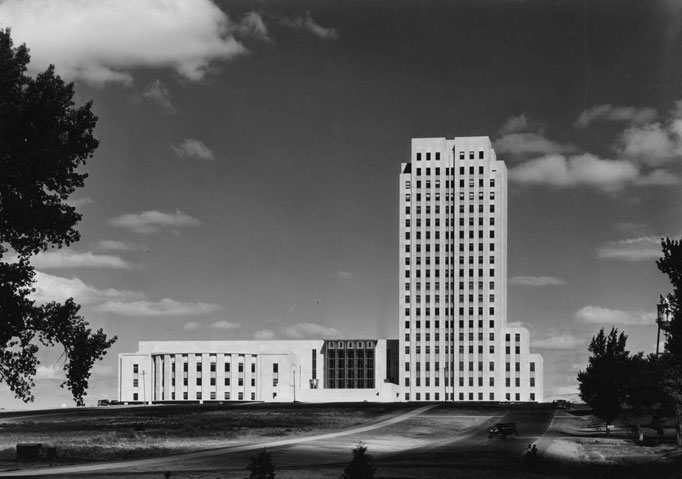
(455, 344)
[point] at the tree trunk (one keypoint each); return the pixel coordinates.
(678, 423)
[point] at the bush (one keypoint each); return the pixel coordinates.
(261, 466)
(361, 466)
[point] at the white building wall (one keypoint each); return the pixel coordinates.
(453, 275)
(294, 360)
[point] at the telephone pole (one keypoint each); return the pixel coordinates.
(144, 387)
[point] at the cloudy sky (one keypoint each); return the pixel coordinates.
(246, 185)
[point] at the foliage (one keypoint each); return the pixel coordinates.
(671, 360)
(44, 138)
(604, 383)
(261, 466)
(361, 466)
(644, 385)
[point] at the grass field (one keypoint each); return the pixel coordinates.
(122, 433)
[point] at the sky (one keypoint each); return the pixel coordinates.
(246, 183)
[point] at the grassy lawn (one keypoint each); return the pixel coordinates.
(123, 433)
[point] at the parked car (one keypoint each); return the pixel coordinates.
(561, 404)
(103, 402)
(503, 429)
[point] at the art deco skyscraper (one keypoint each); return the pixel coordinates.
(455, 344)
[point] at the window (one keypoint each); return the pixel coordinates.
(240, 382)
(532, 367)
(227, 367)
(198, 381)
(198, 396)
(135, 382)
(532, 382)
(136, 368)
(407, 185)
(227, 381)
(135, 396)
(240, 396)
(227, 395)
(480, 155)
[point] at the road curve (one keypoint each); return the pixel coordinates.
(50, 471)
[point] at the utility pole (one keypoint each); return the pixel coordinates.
(294, 370)
(144, 387)
(445, 380)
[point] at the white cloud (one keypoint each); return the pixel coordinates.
(78, 202)
(156, 92)
(579, 170)
(153, 309)
(536, 281)
(615, 113)
(515, 124)
(643, 248)
(153, 221)
(192, 326)
(264, 334)
(103, 41)
(658, 177)
(529, 144)
(192, 148)
(558, 341)
(225, 325)
(65, 258)
(345, 274)
(311, 330)
(114, 245)
(652, 144)
(597, 314)
(307, 24)
(99, 371)
(253, 26)
(51, 371)
(56, 288)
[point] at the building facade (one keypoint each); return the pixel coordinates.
(268, 371)
(454, 341)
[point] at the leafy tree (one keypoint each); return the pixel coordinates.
(44, 138)
(261, 466)
(644, 390)
(671, 360)
(361, 466)
(604, 383)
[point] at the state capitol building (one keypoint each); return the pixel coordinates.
(453, 345)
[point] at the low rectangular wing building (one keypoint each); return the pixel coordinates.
(267, 371)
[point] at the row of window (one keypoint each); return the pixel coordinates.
(461, 157)
(212, 367)
(436, 259)
(451, 397)
(418, 298)
(212, 396)
(427, 324)
(461, 209)
(449, 286)
(450, 273)
(471, 382)
(451, 184)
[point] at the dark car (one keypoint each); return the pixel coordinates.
(561, 404)
(103, 402)
(503, 429)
